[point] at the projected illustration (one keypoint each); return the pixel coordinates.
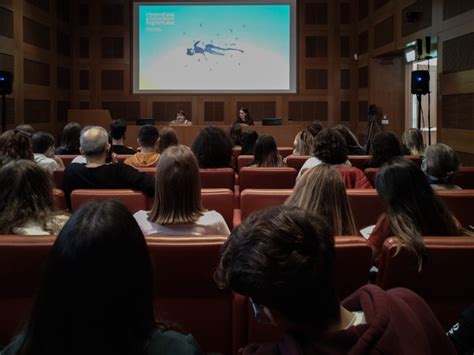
(214, 47)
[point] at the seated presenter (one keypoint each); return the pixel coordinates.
(180, 119)
(244, 117)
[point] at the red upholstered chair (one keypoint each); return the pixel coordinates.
(22, 260)
(365, 205)
(460, 203)
(254, 200)
(267, 178)
(134, 200)
(185, 291)
(353, 262)
(465, 177)
(236, 152)
(358, 161)
(121, 158)
(59, 200)
(243, 161)
(416, 160)
(285, 151)
(58, 175)
(446, 281)
(354, 178)
(297, 161)
(223, 178)
(371, 173)
(67, 159)
(220, 200)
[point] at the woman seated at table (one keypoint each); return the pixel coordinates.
(180, 119)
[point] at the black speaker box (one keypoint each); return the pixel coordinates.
(6, 82)
(272, 122)
(420, 82)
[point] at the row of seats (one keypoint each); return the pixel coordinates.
(221, 321)
(365, 203)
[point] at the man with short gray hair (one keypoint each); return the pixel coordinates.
(97, 174)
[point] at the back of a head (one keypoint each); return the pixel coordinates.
(26, 128)
(315, 127)
(94, 141)
(321, 191)
(148, 135)
(441, 161)
(266, 152)
(168, 138)
(178, 188)
(350, 138)
(213, 148)
(248, 140)
(118, 129)
(283, 258)
(16, 145)
(304, 142)
(96, 295)
(29, 195)
(70, 136)
(42, 142)
(330, 147)
(235, 132)
(385, 146)
(413, 141)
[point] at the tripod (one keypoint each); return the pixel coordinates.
(372, 126)
(4, 113)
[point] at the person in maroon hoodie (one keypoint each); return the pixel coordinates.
(283, 259)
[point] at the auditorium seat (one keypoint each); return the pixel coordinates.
(67, 159)
(134, 200)
(460, 203)
(446, 281)
(59, 200)
(353, 262)
(243, 161)
(252, 200)
(58, 175)
(371, 173)
(365, 205)
(360, 161)
(185, 291)
(22, 260)
(121, 158)
(465, 177)
(354, 178)
(285, 151)
(220, 200)
(223, 178)
(267, 178)
(297, 161)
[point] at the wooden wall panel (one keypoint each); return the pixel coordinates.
(363, 9)
(6, 22)
(363, 77)
(316, 47)
(84, 47)
(316, 79)
(112, 14)
(36, 34)
(112, 47)
(84, 80)
(345, 111)
(345, 46)
(37, 111)
(379, 3)
(123, 109)
(214, 111)
(384, 32)
(345, 79)
(363, 42)
(165, 111)
(7, 62)
(62, 110)
(40, 4)
(363, 111)
(64, 78)
(308, 110)
(259, 110)
(112, 80)
(64, 44)
(10, 111)
(458, 54)
(316, 13)
(425, 8)
(345, 11)
(458, 111)
(452, 8)
(36, 73)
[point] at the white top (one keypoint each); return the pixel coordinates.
(210, 223)
(80, 159)
(46, 163)
(313, 161)
(33, 227)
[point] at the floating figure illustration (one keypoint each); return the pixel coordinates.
(210, 49)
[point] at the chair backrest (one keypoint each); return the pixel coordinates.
(365, 205)
(67, 159)
(358, 161)
(243, 161)
(354, 178)
(460, 203)
(445, 281)
(121, 157)
(22, 260)
(59, 200)
(465, 177)
(134, 200)
(186, 292)
(222, 178)
(236, 152)
(252, 200)
(353, 261)
(371, 173)
(297, 161)
(267, 178)
(220, 200)
(285, 151)
(58, 175)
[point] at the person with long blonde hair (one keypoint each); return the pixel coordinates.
(321, 190)
(412, 139)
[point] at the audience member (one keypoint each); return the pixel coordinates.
(117, 132)
(440, 164)
(462, 333)
(16, 145)
(412, 209)
(70, 140)
(266, 153)
(329, 148)
(177, 208)
(315, 127)
(385, 146)
(234, 132)
(26, 200)
(96, 174)
(180, 119)
(26, 128)
(321, 191)
(148, 136)
(283, 259)
(244, 117)
(213, 148)
(353, 146)
(167, 139)
(43, 149)
(303, 143)
(97, 292)
(248, 140)
(412, 140)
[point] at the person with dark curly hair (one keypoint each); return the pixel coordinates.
(235, 131)
(213, 148)
(330, 148)
(16, 145)
(353, 145)
(385, 147)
